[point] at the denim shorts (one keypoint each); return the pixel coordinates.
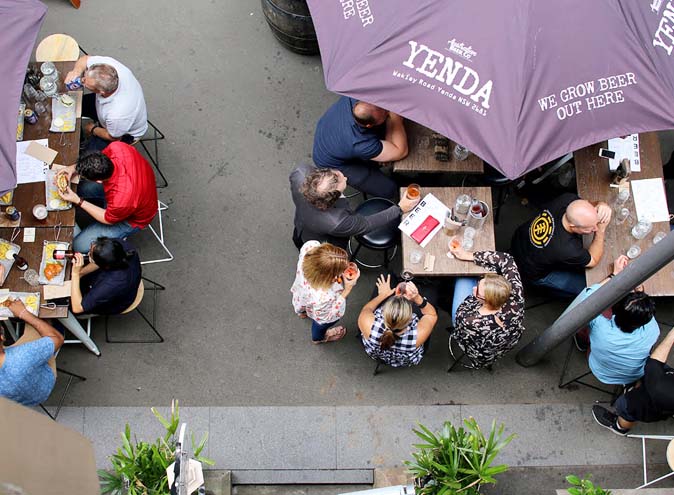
(621, 408)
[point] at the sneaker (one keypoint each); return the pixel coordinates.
(581, 345)
(607, 419)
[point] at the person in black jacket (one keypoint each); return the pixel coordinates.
(322, 213)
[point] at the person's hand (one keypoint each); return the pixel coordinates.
(2, 273)
(16, 306)
(460, 253)
(71, 75)
(89, 127)
(407, 204)
(604, 212)
(351, 282)
(78, 263)
(69, 195)
(384, 285)
(620, 263)
(411, 292)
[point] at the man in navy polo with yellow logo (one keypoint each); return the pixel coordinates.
(549, 248)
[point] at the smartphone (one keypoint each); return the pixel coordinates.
(604, 153)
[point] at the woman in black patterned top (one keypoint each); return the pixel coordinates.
(489, 322)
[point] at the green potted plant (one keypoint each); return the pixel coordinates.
(140, 469)
(457, 460)
(584, 486)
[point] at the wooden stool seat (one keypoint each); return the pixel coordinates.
(139, 298)
(57, 48)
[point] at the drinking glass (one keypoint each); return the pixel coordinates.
(29, 92)
(641, 229)
(469, 233)
(467, 243)
(633, 252)
(461, 207)
(351, 271)
(416, 256)
(623, 196)
(658, 237)
(460, 153)
(48, 86)
(39, 107)
(621, 215)
(476, 220)
(31, 277)
(406, 275)
(455, 242)
(49, 69)
(451, 225)
(413, 191)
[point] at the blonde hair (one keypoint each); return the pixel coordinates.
(496, 290)
(397, 313)
(322, 264)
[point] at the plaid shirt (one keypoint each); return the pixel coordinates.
(403, 352)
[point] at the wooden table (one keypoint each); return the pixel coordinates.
(32, 253)
(439, 245)
(421, 156)
(593, 178)
(68, 146)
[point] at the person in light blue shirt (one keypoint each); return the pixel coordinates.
(620, 344)
(28, 368)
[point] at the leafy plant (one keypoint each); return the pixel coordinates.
(584, 486)
(457, 461)
(140, 469)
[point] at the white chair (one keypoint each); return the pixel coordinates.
(669, 455)
(160, 237)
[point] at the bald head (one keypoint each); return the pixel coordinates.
(582, 217)
(369, 115)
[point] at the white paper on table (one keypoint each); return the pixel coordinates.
(29, 169)
(428, 206)
(625, 148)
(650, 200)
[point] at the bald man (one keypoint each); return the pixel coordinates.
(549, 248)
(355, 138)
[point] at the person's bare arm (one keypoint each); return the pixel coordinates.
(43, 328)
(96, 212)
(99, 132)
(395, 142)
(596, 248)
(78, 70)
(366, 316)
(662, 350)
(428, 314)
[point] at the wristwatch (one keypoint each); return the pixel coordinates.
(423, 304)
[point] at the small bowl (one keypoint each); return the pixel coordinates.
(40, 212)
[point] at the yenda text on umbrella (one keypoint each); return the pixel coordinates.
(446, 70)
(589, 95)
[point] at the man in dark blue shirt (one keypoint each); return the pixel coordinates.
(352, 135)
(109, 283)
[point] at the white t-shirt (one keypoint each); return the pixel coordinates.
(124, 111)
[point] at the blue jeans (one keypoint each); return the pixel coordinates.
(93, 191)
(563, 284)
(463, 287)
(318, 330)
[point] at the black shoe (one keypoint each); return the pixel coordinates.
(608, 420)
(580, 344)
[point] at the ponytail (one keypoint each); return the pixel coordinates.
(387, 339)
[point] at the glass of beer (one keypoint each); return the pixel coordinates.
(351, 271)
(413, 191)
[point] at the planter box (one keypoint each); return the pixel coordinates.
(643, 491)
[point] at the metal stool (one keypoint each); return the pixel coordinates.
(458, 360)
(382, 239)
(153, 136)
(578, 379)
(71, 377)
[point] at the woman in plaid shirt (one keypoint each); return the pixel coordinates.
(390, 330)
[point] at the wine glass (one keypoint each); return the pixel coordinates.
(406, 275)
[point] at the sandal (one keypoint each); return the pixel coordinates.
(334, 333)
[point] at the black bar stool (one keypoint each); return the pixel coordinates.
(382, 239)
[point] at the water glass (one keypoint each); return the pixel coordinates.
(460, 153)
(416, 256)
(451, 225)
(467, 243)
(406, 275)
(49, 69)
(462, 206)
(31, 277)
(641, 229)
(29, 92)
(658, 237)
(48, 86)
(39, 108)
(621, 215)
(469, 233)
(623, 196)
(633, 252)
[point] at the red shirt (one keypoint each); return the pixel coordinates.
(131, 192)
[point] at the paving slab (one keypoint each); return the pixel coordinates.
(299, 477)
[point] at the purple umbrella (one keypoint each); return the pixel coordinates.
(20, 21)
(519, 82)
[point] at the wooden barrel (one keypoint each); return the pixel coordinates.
(290, 21)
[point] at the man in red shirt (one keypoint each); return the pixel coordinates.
(122, 181)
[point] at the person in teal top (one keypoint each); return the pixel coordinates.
(28, 368)
(620, 344)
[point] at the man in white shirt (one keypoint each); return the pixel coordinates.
(116, 103)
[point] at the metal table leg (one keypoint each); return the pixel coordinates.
(72, 324)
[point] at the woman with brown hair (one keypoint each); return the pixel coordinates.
(488, 313)
(391, 329)
(318, 292)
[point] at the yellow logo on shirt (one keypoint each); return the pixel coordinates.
(541, 229)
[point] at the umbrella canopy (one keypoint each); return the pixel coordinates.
(519, 82)
(20, 21)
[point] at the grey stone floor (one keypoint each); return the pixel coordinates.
(239, 112)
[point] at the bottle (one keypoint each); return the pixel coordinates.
(67, 254)
(21, 263)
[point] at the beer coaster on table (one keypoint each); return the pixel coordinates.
(429, 262)
(5, 221)
(29, 234)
